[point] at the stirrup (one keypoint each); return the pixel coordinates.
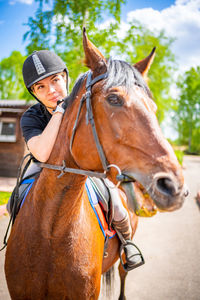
(127, 266)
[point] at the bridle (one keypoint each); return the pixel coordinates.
(89, 119)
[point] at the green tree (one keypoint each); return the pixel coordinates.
(136, 45)
(59, 27)
(188, 110)
(11, 80)
(58, 24)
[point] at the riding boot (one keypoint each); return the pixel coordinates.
(133, 255)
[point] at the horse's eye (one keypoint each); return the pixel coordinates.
(115, 100)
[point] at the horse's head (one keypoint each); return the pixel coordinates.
(128, 130)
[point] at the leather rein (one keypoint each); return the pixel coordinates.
(89, 119)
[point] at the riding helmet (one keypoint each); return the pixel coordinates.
(41, 64)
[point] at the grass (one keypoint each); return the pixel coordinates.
(4, 196)
(179, 155)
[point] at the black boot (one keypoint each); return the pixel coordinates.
(134, 257)
(132, 253)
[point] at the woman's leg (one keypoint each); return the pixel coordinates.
(122, 225)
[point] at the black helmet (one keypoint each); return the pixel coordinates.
(41, 64)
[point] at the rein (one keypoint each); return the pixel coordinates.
(89, 118)
(63, 169)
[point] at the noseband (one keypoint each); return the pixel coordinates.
(89, 119)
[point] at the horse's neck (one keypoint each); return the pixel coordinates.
(57, 201)
(56, 189)
(61, 196)
(68, 183)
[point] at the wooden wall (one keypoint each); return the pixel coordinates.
(11, 153)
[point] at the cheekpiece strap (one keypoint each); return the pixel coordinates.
(90, 82)
(90, 116)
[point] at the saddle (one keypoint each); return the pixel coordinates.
(98, 195)
(19, 194)
(22, 187)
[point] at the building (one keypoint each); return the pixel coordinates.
(12, 145)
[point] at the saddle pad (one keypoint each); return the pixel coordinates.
(30, 182)
(94, 202)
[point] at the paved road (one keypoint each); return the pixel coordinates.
(170, 243)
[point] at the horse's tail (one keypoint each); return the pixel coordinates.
(108, 283)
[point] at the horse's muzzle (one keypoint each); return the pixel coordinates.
(167, 192)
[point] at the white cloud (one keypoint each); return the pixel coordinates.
(182, 21)
(29, 2)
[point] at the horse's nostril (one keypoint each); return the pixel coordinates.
(166, 186)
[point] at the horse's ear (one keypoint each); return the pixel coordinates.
(144, 65)
(94, 59)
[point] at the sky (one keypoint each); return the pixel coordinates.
(179, 18)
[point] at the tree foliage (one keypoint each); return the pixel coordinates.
(188, 110)
(136, 45)
(11, 80)
(57, 25)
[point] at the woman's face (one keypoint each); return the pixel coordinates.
(51, 89)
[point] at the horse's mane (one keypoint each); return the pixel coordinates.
(120, 73)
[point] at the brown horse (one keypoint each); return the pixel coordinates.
(55, 250)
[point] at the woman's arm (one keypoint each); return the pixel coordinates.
(41, 145)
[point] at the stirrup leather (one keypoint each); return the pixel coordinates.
(127, 266)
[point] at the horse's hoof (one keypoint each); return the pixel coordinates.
(122, 298)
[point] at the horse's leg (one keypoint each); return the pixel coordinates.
(122, 275)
